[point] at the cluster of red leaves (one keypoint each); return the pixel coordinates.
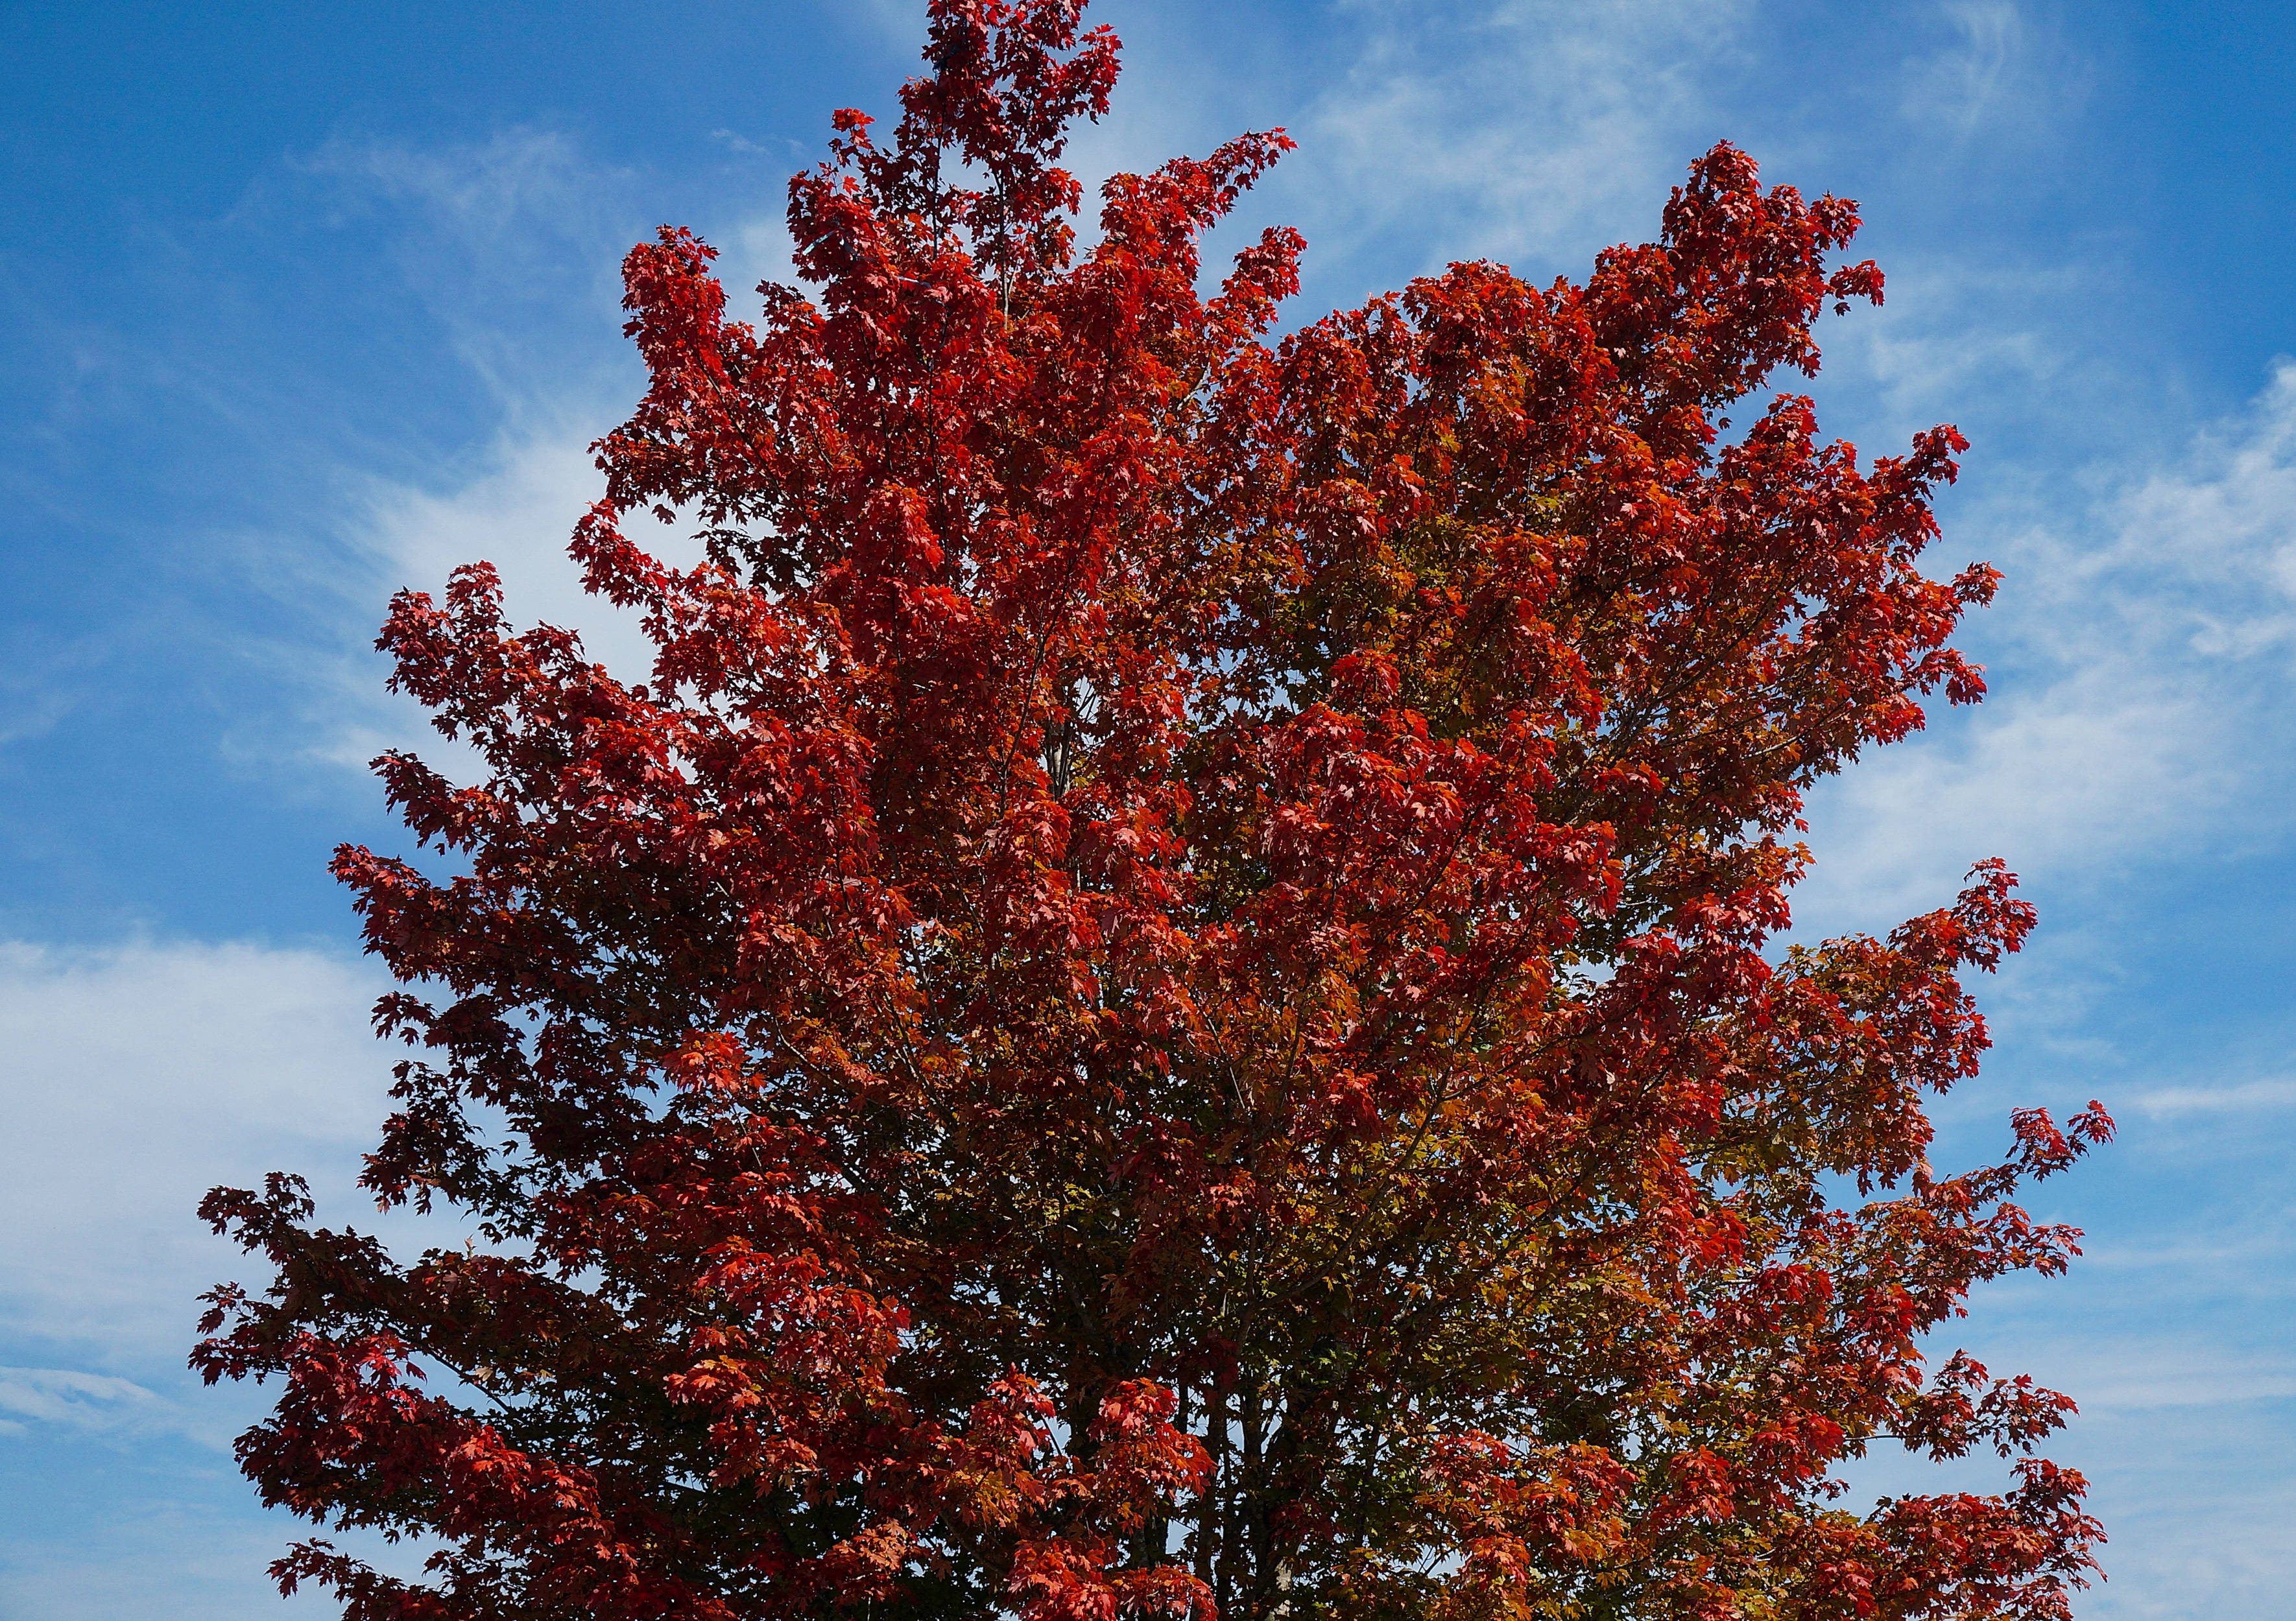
(1159, 1006)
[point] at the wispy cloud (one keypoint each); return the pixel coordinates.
(513, 245)
(2247, 1097)
(2127, 1374)
(515, 510)
(1958, 86)
(2222, 526)
(89, 1403)
(44, 680)
(2002, 68)
(739, 144)
(2147, 635)
(1524, 131)
(508, 243)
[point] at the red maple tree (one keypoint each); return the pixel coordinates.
(1165, 1002)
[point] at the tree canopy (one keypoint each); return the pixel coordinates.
(1170, 998)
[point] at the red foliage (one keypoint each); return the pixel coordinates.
(1159, 1005)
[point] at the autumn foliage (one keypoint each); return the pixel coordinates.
(1167, 1001)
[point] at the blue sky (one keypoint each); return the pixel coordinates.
(304, 302)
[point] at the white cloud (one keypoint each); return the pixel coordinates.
(501, 241)
(1527, 131)
(88, 1402)
(2126, 1374)
(498, 191)
(2222, 526)
(1959, 332)
(516, 513)
(1958, 85)
(2248, 1097)
(138, 1077)
(516, 510)
(514, 245)
(2064, 782)
(44, 679)
(2005, 69)
(894, 24)
(734, 142)
(160, 1550)
(2145, 711)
